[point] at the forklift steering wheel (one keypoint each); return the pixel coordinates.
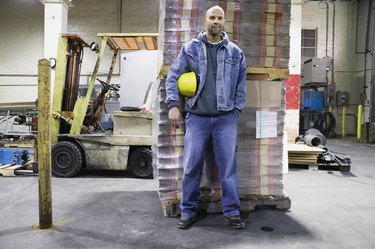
(110, 87)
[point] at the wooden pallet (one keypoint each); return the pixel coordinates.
(10, 169)
(172, 208)
(311, 166)
(320, 166)
(254, 73)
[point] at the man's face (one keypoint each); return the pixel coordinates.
(214, 21)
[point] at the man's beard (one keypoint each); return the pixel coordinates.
(215, 31)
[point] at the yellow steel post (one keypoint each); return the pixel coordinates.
(81, 105)
(343, 122)
(330, 108)
(58, 91)
(44, 143)
(359, 123)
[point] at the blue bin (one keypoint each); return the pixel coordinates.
(313, 100)
(13, 155)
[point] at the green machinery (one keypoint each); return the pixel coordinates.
(77, 143)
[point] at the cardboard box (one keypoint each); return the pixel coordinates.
(263, 93)
(132, 123)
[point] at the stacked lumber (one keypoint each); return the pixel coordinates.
(303, 154)
(260, 28)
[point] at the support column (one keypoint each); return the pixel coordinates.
(55, 23)
(294, 81)
(44, 144)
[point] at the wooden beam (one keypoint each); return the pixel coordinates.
(44, 143)
(273, 73)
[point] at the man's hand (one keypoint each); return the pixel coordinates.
(175, 117)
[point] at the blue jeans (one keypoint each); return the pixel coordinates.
(223, 131)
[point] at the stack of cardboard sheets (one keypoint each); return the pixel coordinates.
(260, 146)
(260, 28)
(303, 154)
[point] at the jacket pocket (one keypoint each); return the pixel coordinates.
(232, 60)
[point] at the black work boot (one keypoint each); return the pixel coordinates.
(236, 222)
(185, 223)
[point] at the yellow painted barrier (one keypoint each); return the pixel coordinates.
(44, 143)
(359, 123)
(343, 123)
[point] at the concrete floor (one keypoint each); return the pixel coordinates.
(329, 210)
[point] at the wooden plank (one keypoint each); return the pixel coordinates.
(121, 43)
(302, 156)
(151, 43)
(113, 44)
(9, 171)
(78, 38)
(127, 34)
(296, 148)
(141, 43)
(304, 162)
(273, 73)
(131, 41)
(133, 45)
(5, 166)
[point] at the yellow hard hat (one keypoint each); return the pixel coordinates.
(188, 84)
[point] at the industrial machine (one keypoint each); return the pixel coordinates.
(78, 140)
(314, 111)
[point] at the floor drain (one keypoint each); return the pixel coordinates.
(267, 229)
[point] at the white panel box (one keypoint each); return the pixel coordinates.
(314, 70)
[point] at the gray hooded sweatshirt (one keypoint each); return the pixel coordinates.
(206, 103)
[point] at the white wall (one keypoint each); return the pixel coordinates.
(22, 45)
(346, 68)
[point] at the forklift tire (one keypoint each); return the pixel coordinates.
(67, 159)
(140, 163)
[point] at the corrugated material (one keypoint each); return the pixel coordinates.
(260, 28)
(259, 160)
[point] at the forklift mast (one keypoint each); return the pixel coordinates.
(71, 114)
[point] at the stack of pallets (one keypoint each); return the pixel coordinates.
(261, 29)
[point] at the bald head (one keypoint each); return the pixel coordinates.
(216, 9)
(215, 18)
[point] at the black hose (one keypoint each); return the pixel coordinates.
(326, 124)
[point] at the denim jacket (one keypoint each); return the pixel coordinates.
(230, 80)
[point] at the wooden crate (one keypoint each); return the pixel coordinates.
(172, 209)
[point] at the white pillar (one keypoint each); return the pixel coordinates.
(295, 37)
(55, 23)
(294, 81)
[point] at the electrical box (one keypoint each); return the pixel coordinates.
(342, 98)
(313, 100)
(314, 70)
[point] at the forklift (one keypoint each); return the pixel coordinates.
(79, 142)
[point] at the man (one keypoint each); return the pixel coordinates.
(210, 114)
